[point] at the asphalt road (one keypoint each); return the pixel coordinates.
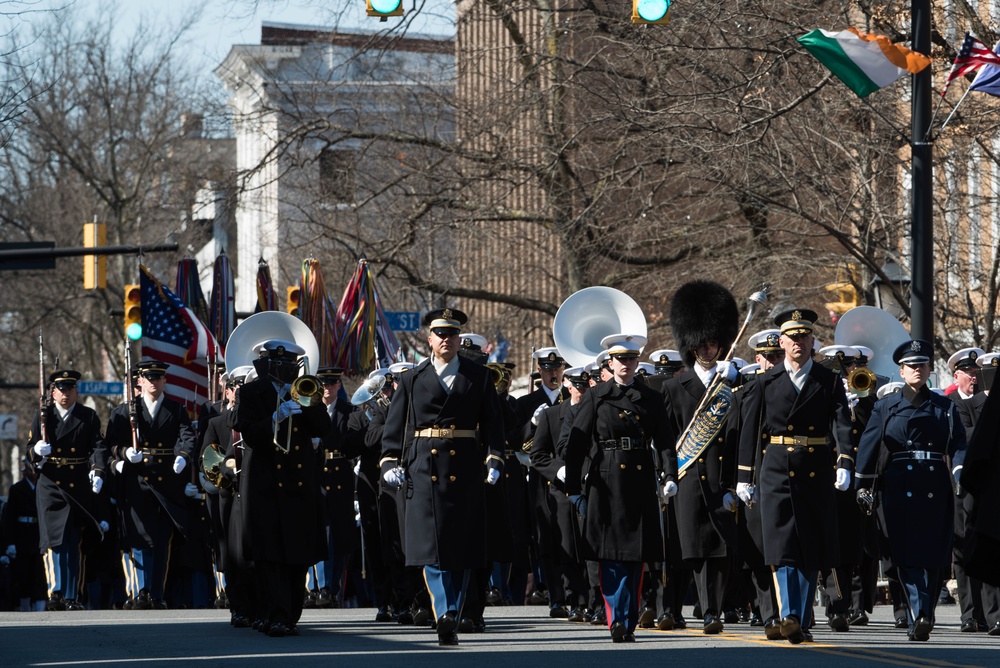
(522, 637)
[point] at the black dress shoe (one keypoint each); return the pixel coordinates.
(479, 625)
(446, 623)
(558, 612)
(665, 622)
(239, 621)
(983, 627)
(900, 623)
(421, 617)
(309, 600)
(697, 612)
(493, 597)
(578, 615)
(277, 630)
(292, 631)
(807, 637)
(600, 617)
(383, 615)
(745, 615)
(56, 602)
(969, 626)
(679, 622)
(858, 618)
(713, 624)
(447, 639)
(772, 629)
(791, 630)
(618, 632)
(405, 617)
(731, 617)
(143, 601)
(755, 620)
(922, 628)
(465, 625)
(324, 599)
(73, 604)
(647, 618)
(839, 623)
(538, 597)
(629, 637)
(995, 629)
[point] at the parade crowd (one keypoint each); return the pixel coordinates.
(616, 492)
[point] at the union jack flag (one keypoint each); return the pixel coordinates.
(973, 55)
(172, 333)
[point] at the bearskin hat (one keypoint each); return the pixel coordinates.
(703, 311)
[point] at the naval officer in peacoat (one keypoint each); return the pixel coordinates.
(443, 441)
(618, 425)
(790, 414)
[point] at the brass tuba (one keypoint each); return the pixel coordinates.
(212, 461)
(276, 325)
(501, 376)
(368, 390)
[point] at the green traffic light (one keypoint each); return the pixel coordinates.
(134, 331)
(652, 10)
(386, 6)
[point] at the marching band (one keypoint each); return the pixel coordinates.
(754, 485)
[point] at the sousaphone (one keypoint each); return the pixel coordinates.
(877, 329)
(589, 315)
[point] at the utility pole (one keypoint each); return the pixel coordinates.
(922, 182)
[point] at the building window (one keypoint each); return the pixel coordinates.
(336, 176)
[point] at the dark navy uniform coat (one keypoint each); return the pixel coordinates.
(622, 522)
(915, 496)
(445, 521)
(704, 527)
(151, 487)
(795, 482)
(64, 486)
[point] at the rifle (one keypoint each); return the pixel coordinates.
(130, 399)
(44, 398)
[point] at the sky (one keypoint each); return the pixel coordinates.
(223, 23)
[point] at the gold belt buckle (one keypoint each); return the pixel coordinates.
(800, 440)
(445, 432)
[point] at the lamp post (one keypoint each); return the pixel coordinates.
(884, 298)
(922, 221)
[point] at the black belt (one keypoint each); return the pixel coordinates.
(918, 454)
(623, 443)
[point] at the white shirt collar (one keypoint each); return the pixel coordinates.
(446, 371)
(705, 375)
(152, 406)
(798, 378)
(553, 395)
(63, 412)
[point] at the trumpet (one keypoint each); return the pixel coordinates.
(306, 390)
(862, 381)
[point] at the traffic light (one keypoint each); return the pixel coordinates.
(383, 9)
(292, 299)
(651, 11)
(133, 312)
(845, 295)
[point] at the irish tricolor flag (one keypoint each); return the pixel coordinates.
(865, 62)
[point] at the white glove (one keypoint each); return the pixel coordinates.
(133, 455)
(42, 449)
(729, 502)
(105, 527)
(727, 370)
(4, 560)
(523, 458)
(852, 400)
(191, 490)
(561, 474)
(492, 476)
(357, 506)
(96, 484)
(11, 551)
(538, 413)
(669, 489)
(357, 467)
(179, 464)
(843, 480)
(286, 410)
(746, 495)
(119, 465)
(394, 477)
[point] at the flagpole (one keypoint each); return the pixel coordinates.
(922, 202)
(945, 124)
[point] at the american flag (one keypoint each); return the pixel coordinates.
(172, 333)
(973, 55)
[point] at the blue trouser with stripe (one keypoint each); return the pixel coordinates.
(621, 586)
(795, 589)
(446, 589)
(63, 563)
